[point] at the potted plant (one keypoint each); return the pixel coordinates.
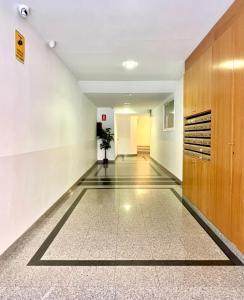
(106, 137)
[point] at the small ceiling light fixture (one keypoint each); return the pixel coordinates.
(24, 10)
(126, 103)
(52, 44)
(130, 64)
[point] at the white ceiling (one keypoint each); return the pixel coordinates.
(138, 101)
(95, 36)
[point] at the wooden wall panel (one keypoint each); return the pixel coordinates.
(214, 79)
(188, 176)
(190, 91)
(204, 81)
(205, 199)
(238, 157)
(222, 129)
(198, 85)
(187, 93)
(197, 184)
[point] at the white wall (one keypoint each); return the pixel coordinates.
(167, 146)
(126, 134)
(109, 123)
(143, 130)
(115, 136)
(47, 129)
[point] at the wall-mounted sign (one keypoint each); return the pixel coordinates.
(19, 46)
(104, 117)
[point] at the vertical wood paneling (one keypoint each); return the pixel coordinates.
(198, 85)
(205, 199)
(187, 93)
(190, 92)
(222, 139)
(214, 79)
(204, 81)
(187, 175)
(238, 157)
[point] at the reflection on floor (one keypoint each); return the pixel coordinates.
(122, 233)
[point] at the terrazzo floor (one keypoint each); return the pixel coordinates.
(121, 233)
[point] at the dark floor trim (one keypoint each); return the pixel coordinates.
(209, 231)
(132, 182)
(100, 162)
(128, 179)
(98, 170)
(166, 170)
(49, 211)
(87, 172)
(37, 258)
(41, 251)
(127, 263)
(155, 170)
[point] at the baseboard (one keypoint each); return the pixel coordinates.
(231, 248)
(166, 171)
(100, 162)
(48, 211)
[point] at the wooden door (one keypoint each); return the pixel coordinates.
(222, 129)
(187, 176)
(189, 105)
(238, 157)
(204, 82)
(190, 178)
(205, 199)
(198, 85)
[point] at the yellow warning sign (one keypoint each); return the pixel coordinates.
(19, 47)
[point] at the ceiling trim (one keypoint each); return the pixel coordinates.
(128, 86)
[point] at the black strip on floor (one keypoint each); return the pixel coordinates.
(210, 232)
(128, 179)
(37, 258)
(41, 251)
(95, 183)
(155, 170)
(128, 263)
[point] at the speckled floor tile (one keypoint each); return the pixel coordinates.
(129, 222)
(74, 292)
(207, 276)
(135, 282)
(199, 293)
(130, 246)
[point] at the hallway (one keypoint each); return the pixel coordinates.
(122, 150)
(122, 232)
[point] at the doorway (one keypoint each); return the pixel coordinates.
(132, 134)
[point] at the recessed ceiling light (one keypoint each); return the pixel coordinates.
(126, 103)
(52, 44)
(130, 64)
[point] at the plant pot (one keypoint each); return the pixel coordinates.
(105, 161)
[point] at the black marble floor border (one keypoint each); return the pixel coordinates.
(116, 183)
(171, 175)
(101, 166)
(155, 170)
(36, 260)
(209, 231)
(129, 179)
